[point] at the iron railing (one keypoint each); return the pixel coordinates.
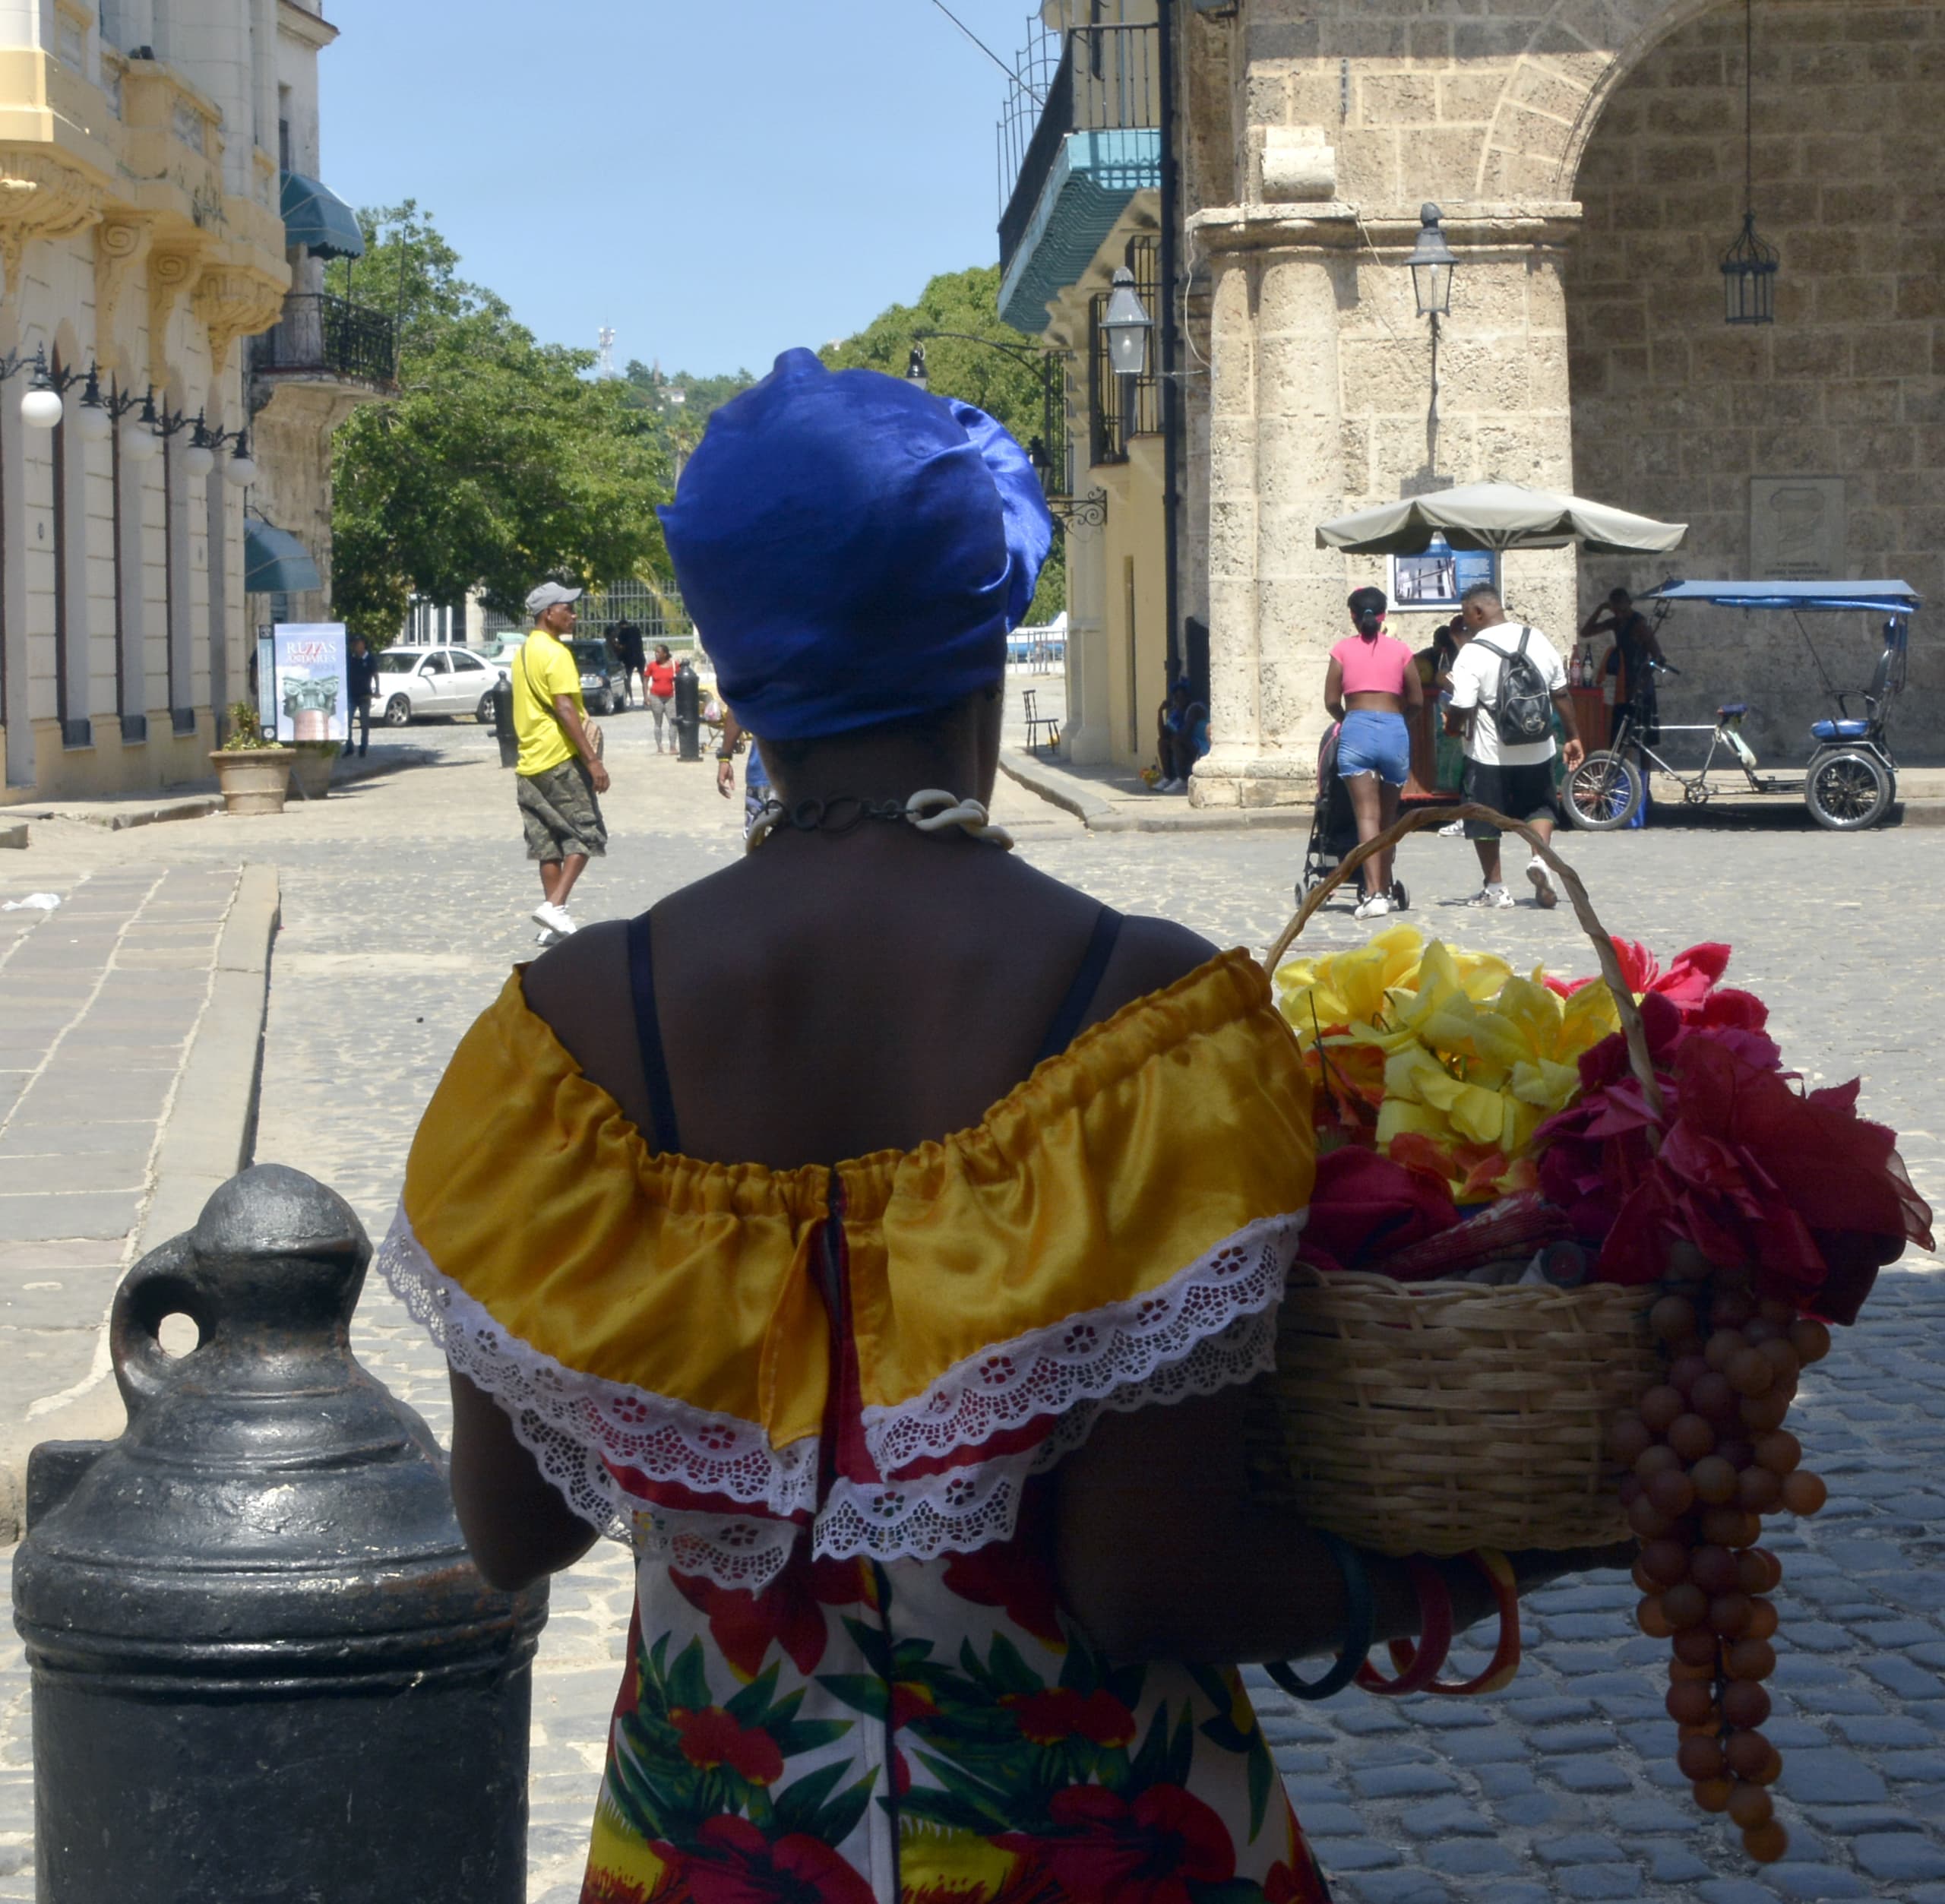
(325, 334)
(1103, 76)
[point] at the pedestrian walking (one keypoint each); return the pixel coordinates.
(560, 777)
(1508, 683)
(757, 791)
(660, 677)
(934, 1460)
(1371, 688)
(361, 671)
(627, 640)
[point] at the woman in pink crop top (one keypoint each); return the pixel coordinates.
(1370, 684)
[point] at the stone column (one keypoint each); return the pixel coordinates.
(1320, 403)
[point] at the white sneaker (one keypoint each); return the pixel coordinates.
(1457, 830)
(1543, 891)
(1494, 895)
(554, 918)
(1372, 906)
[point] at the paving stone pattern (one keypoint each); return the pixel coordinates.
(404, 901)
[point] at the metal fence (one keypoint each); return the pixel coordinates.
(1105, 75)
(323, 333)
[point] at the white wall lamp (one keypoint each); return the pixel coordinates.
(138, 439)
(93, 419)
(241, 471)
(199, 459)
(41, 407)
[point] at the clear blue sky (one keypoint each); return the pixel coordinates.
(717, 179)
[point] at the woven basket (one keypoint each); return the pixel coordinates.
(1435, 1417)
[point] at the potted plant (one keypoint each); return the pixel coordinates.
(311, 768)
(252, 769)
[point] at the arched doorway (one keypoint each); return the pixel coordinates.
(1818, 441)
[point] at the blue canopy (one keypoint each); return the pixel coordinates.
(316, 217)
(275, 562)
(1874, 598)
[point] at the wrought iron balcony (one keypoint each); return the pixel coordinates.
(1080, 137)
(321, 334)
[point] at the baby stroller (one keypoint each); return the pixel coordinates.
(1333, 829)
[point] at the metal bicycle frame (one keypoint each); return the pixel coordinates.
(1695, 790)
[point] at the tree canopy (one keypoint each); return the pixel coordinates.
(1005, 383)
(500, 462)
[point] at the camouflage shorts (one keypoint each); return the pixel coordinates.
(560, 812)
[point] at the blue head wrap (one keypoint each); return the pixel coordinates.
(853, 549)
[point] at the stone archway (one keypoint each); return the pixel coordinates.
(1836, 413)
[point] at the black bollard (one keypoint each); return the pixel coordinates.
(264, 1666)
(502, 694)
(688, 715)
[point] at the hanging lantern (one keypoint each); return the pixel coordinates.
(1749, 278)
(1749, 265)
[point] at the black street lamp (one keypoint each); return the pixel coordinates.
(1433, 262)
(915, 368)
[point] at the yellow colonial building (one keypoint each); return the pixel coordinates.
(147, 168)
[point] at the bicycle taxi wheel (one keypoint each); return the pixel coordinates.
(1847, 792)
(1603, 793)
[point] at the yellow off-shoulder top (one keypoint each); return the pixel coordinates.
(1115, 1231)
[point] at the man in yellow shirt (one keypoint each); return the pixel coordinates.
(560, 775)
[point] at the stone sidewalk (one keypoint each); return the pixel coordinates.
(1561, 1789)
(109, 1008)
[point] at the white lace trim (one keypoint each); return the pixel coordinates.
(1210, 1326)
(1090, 1356)
(574, 1423)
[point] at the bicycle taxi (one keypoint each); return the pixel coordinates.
(1851, 778)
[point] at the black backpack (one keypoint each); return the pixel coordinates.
(1522, 707)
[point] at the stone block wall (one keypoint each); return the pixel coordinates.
(1674, 412)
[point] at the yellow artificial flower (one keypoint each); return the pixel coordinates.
(1474, 1058)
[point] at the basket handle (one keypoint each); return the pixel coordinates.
(1632, 1028)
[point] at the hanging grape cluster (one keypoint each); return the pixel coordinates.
(1708, 1457)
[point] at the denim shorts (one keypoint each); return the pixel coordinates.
(1372, 742)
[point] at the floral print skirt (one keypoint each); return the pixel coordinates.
(926, 1732)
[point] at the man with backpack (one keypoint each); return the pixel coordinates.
(1508, 682)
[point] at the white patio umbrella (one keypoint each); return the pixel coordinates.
(1498, 516)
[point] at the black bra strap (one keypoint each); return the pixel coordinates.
(665, 1137)
(1086, 982)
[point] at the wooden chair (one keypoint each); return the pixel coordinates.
(1035, 722)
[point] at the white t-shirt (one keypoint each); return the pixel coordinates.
(1476, 684)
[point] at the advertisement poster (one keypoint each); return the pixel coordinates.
(1439, 577)
(311, 697)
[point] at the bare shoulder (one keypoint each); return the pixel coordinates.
(577, 988)
(1150, 955)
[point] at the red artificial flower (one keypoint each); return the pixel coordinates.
(1104, 1850)
(1738, 1162)
(711, 1738)
(1060, 1713)
(1690, 985)
(1365, 1205)
(732, 1862)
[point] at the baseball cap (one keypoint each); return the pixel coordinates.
(550, 594)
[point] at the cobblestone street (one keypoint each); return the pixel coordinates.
(405, 900)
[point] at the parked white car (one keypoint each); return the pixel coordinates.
(414, 684)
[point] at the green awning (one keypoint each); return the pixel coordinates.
(316, 217)
(275, 562)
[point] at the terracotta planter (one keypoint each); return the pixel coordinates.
(311, 771)
(254, 779)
